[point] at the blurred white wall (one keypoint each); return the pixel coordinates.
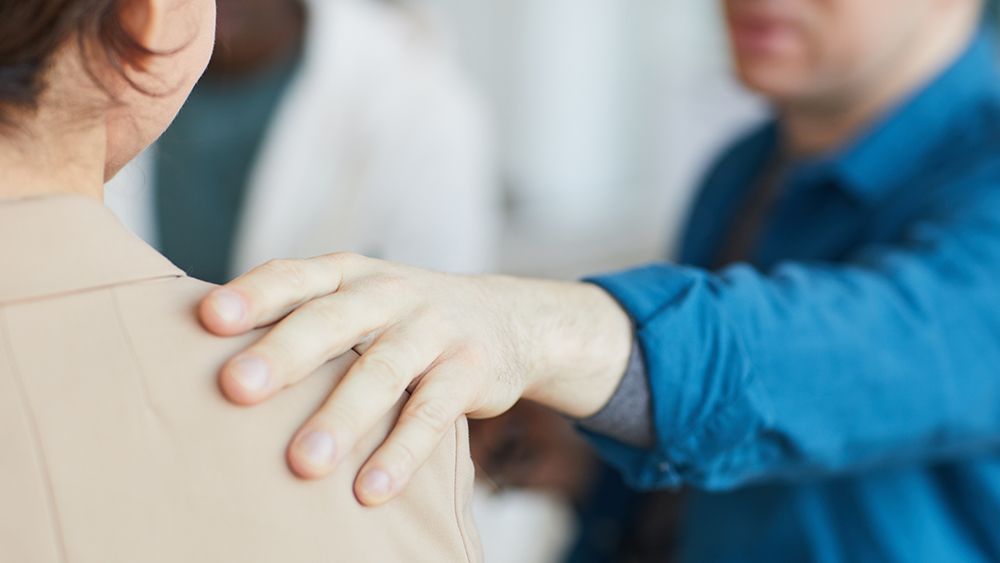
(607, 113)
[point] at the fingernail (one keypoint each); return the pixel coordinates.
(229, 306)
(319, 448)
(376, 484)
(250, 372)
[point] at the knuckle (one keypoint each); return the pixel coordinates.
(336, 416)
(382, 370)
(281, 356)
(386, 285)
(409, 351)
(290, 272)
(404, 458)
(433, 415)
(323, 312)
(344, 259)
(476, 358)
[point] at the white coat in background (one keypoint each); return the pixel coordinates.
(378, 147)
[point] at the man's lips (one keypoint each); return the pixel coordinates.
(760, 36)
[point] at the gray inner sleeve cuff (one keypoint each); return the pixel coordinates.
(628, 416)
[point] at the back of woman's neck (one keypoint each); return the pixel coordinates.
(39, 161)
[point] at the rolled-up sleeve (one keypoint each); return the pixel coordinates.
(816, 369)
(628, 416)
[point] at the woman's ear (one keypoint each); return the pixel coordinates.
(143, 21)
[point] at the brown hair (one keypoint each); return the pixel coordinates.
(31, 31)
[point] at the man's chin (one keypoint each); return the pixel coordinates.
(769, 82)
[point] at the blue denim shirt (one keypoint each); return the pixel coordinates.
(837, 398)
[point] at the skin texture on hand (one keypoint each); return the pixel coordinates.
(462, 345)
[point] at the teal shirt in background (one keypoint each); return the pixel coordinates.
(203, 165)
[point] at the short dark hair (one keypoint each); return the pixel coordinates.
(32, 31)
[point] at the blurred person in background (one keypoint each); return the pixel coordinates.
(821, 368)
(320, 124)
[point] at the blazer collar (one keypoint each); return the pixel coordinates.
(57, 245)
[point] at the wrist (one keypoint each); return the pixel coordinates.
(578, 344)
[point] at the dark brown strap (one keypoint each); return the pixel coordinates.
(750, 221)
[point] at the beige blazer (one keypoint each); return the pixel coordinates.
(116, 446)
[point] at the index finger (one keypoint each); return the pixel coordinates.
(270, 292)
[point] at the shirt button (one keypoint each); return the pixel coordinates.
(664, 467)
